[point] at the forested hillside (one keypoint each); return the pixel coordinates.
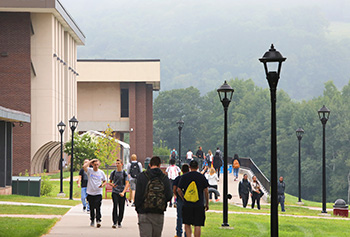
(249, 131)
(201, 43)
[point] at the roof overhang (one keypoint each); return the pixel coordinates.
(108, 70)
(46, 6)
(10, 115)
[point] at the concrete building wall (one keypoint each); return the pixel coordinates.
(15, 74)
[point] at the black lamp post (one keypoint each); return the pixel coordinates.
(61, 127)
(180, 125)
(273, 57)
(73, 123)
(299, 133)
(225, 94)
(323, 114)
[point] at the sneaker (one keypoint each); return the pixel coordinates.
(133, 204)
(170, 205)
(88, 211)
(114, 226)
(92, 223)
(175, 205)
(84, 208)
(119, 225)
(98, 224)
(217, 200)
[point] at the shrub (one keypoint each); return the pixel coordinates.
(46, 185)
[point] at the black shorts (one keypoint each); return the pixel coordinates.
(192, 215)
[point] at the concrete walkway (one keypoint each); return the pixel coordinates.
(77, 223)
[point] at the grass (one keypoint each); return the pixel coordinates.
(66, 186)
(66, 174)
(292, 200)
(42, 200)
(248, 225)
(14, 227)
(290, 210)
(32, 210)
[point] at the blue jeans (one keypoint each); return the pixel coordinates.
(179, 206)
(281, 200)
(83, 198)
(235, 172)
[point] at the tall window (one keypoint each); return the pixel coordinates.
(124, 103)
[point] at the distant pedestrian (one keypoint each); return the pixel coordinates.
(244, 189)
(236, 164)
(193, 189)
(209, 157)
(220, 153)
(256, 192)
(120, 181)
(153, 191)
(82, 182)
(217, 163)
(173, 154)
(281, 186)
(172, 171)
(96, 182)
(189, 156)
(200, 157)
(185, 169)
(213, 183)
(134, 168)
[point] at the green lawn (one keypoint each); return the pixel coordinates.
(290, 210)
(66, 174)
(33, 210)
(255, 225)
(43, 200)
(13, 227)
(66, 186)
(292, 200)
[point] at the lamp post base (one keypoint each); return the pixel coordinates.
(61, 194)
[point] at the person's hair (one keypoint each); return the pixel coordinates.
(194, 164)
(212, 171)
(189, 149)
(245, 175)
(118, 160)
(235, 156)
(172, 161)
(185, 168)
(133, 157)
(95, 161)
(199, 147)
(210, 152)
(217, 148)
(155, 161)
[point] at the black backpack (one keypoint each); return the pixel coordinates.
(134, 169)
(154, 198)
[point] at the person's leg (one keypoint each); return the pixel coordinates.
(245, 200)
(237, 173)
(145, 226)
(87, 203)
(253, 200)
(121, 209)
(83, 197)
(157, 221)
(98, 207)
(282, 203)
(115, 208)
(91, 200)
(197, 231)
(188, 230)
(179, 217)
(216, 196)
(258, 202)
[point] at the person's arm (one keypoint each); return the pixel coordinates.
(174, 190)
(87, 164)
(125, 188)
(104, 181)
(168, 190)
(180, 193)
(239, 190)
(79, 179)
(206, 193)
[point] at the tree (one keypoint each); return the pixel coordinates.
(107, 148)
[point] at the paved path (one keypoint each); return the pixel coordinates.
(77, 223)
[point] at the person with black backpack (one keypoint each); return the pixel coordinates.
(120, 182)
(134, 168)
(153, 192)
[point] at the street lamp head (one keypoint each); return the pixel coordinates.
(73, 123)
(225, 94)
(300, 133)
(180, 124)
(272, 57)
(61, 127)
(323, 114)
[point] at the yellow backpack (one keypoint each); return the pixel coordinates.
(191, 194)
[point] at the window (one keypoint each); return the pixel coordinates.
(124, 103)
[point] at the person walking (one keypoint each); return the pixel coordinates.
(120, 182)
(189, 156)
(82, 182)
(153, 192)
(236, 164)
(134, 168)
(256, 192)
(96, 182)
(244, 188)
(172, 171)
(281, 186)
(200, 157)
(185, 169)
(209, 158)
(217, 163)
(193, 190)
(213, 183)
(173, 154)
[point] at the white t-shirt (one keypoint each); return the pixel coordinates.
(189, 155)
(212, 179)
(173, 171)
(95, 179)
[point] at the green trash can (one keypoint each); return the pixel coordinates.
(26, 185)
(147, 161)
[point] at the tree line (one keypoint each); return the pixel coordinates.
(249, 124)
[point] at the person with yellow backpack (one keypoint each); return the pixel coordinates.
(236, 164)
(193, 190)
